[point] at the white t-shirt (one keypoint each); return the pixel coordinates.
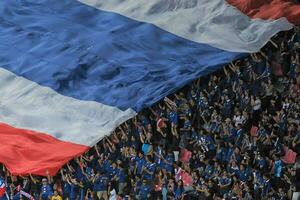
(113, 195)
(238, 119)
(257, 104)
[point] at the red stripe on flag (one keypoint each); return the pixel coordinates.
(30, 152)
(2, 192)
(269, 9)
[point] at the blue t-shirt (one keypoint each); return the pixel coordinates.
(227, 105)
(106, 166)
(151, 169)
(15, 197)
(46, 191)
(89, 172)
(266, 186)
(220, 154)
(259, 181)
(73, 191)
(78, 174)
(121, 175)
(202, 103)
(261, 163)
(144, 191)
(278, 168)
(209, 170)
(225, 180)
(140, 162)
(178, 192)
(112, 172)
(173, 117)
(228, 154)
(243, 176)
(101, 183)
(210, 141)
(67, 189)
(187, 124)
(170, 159)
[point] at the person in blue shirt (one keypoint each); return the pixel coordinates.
(202, 103)
(46, 190)
(224, 183)
(121, 178)
(113, 171)
(144, 191)
(278, 165)
(79, 173)
(158, 152)
(149, 168)
(260, 161)
(242, 174)
(239, 135)
(140, 162)
(227, 107)
(266, 186)
(89, 195)
(258, 182)
(168, 162)
(232, 168)
(100, 185)
(209, 170)
(136, 184)
(65, 185)
(237, 155)
(173, 118)
(179, 190)
(81, 188)
(229, 152)
(106, 165)
(66, 190)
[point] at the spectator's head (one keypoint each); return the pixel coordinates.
(55, 193)
(44, 181)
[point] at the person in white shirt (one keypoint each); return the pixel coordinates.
(256, 108)
(238, 118)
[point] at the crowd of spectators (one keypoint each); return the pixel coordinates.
(234, 134)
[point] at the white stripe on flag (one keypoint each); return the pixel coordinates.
(27, 105)
(213, 22)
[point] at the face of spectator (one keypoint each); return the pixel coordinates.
(180, 183)
(140, 155)
(114, 165)
(44, 181)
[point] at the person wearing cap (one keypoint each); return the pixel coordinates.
(46, 190)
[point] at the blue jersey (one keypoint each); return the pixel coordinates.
(100, 183)
(46, 191)
(140, 162)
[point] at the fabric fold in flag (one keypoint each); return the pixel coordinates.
(72, 71)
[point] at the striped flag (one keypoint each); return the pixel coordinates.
(72, 71)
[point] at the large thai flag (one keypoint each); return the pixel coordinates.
(72, 71)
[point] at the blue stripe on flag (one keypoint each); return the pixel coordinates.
(90, 54)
